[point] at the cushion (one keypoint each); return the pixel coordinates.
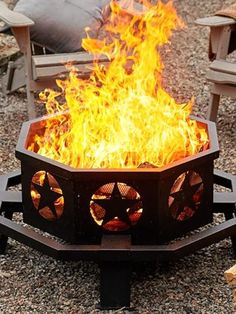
(60, 24)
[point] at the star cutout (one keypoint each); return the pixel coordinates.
(47, 196)
(184, 197)
(116, 206)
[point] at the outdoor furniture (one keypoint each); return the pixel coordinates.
(35, 69)
(221, 73)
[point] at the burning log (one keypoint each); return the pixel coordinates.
(146, 164)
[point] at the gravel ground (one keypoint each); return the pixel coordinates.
(31, 282)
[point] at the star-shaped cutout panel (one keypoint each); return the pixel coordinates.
(186, 197)
(50, 203)
(115, 209)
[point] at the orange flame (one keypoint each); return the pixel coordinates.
(121, 116)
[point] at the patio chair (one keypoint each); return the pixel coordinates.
(38, 67)
(221, 73)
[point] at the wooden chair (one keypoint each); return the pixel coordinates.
(33, 70)
(221, 73)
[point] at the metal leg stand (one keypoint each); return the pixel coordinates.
(10, 201)
(3, 238)
(225, 202)
(115, 275)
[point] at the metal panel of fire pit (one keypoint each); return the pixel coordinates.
(153, 205)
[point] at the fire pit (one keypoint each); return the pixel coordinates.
(119, 155)
(153, 205)
(119, 168)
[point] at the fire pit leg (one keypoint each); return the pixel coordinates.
(233, 238)
(114, 285)
(115, 274)
(3, 238)
(3, 244)
(226, 201)
(10, 201)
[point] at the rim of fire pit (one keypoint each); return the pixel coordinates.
(59, 168)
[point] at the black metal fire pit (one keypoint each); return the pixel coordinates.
(116, 217)
(152, 205)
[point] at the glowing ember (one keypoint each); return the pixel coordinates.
(121, 116)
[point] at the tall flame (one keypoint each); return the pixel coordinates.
(121, 116)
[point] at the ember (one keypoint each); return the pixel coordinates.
(121, 116)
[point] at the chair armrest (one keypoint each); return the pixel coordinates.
(12, 18)
(215, 21)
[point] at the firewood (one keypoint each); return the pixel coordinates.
(234, 295)
(230, 276)
(146, 164)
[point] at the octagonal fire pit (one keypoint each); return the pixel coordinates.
(151, 204)
(125, 169)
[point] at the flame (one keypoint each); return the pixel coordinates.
(121, 116)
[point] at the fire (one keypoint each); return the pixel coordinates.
(121, 116)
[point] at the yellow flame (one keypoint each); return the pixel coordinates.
(121, 116)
